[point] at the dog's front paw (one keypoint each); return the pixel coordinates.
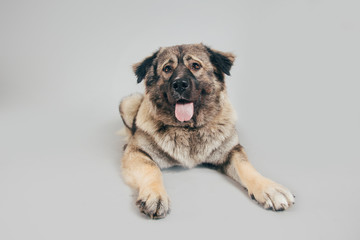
(271, 195)
(154, 204)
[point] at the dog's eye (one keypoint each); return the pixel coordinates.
(195, 66)
(167, 69)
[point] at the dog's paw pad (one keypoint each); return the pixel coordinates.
(154, 206)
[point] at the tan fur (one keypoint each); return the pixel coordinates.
(129, 107)
(269, 194)
(158, 140)
(143, 174)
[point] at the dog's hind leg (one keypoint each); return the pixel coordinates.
(143, 174)
(269, 194)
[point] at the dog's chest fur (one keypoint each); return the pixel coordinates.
(188, 147)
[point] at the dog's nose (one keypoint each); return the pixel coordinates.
(180, 85)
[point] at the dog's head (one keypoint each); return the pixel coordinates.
(185, 83)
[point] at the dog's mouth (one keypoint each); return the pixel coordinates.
(184, 110)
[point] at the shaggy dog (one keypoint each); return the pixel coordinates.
(185, 119)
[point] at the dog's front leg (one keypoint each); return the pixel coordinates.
(269, 194)
(143, 174)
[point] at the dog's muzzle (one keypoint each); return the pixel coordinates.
(183, 93)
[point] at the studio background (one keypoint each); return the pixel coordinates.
(65, 65)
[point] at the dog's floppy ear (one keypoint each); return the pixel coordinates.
(222, 61)
(141, 68)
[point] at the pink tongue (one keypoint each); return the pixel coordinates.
(184, 112)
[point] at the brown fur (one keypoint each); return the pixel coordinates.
(158, 140)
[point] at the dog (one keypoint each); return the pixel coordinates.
(184, 118)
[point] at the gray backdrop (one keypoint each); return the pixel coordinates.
(65, 65)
